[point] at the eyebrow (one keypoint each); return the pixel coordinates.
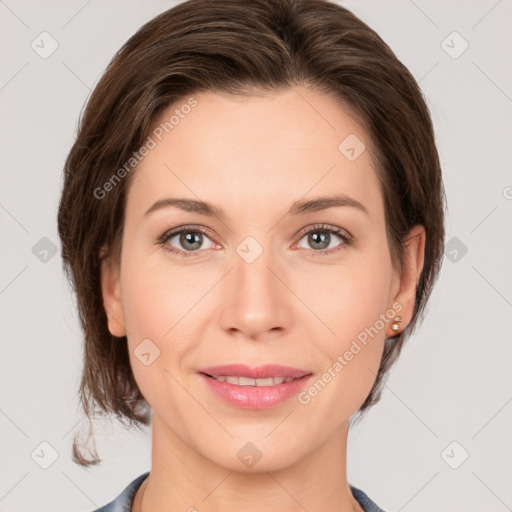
(298, 207)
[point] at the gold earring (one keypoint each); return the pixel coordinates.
(395, 325)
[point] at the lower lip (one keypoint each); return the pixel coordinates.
(256, 397)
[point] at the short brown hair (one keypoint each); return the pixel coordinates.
(234, 46)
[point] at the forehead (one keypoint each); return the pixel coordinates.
(256, 151)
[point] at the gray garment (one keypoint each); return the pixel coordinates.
(123, 503)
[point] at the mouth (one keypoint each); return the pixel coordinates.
(254, 387)
(246, 381)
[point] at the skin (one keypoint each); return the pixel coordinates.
(253, 157)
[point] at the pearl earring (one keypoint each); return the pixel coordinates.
(395, 325)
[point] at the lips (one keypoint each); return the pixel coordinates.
(249, 387)
(250, 372)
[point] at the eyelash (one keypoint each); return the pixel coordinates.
(324, 228)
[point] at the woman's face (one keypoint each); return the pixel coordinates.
(267, 282)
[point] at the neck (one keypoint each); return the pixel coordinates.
(182, 479)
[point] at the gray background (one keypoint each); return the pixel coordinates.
(450, 393)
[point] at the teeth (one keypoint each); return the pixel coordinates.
(246, 381)
(267, 382)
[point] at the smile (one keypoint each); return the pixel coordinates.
(250, 387)
(246, 381)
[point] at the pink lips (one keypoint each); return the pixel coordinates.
(253, 396)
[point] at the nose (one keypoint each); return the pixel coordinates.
(256, 301)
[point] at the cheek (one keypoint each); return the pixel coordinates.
(352, 299)
(352, 305)
(160, 305)
(150, 312)
(154, 294)
(350, 355)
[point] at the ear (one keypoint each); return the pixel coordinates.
(405, 281)
(111, 291)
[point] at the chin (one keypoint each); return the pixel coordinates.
(256, 454)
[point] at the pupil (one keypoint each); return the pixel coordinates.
(320, 237)
(194, 239)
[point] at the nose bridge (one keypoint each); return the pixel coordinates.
(254, 258)
(257, 301)
(252, 265)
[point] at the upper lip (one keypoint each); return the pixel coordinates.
(254, 372)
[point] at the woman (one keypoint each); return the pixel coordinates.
(252, 218)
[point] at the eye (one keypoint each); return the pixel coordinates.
(320, 238)
(188, 238)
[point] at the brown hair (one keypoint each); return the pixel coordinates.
(234, 46)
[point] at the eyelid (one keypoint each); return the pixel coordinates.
(193, 228)
(325, 227)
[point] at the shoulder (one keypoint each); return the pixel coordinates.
(364, 500)
(123, 502)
